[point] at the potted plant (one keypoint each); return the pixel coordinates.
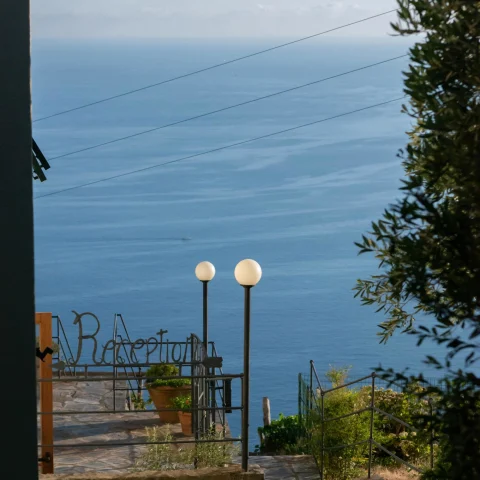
(184, 404)
(162, 392)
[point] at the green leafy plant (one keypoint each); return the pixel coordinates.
(168, 457)
(164, 370)
(138, 402)
(161, 456)
(183, 403)
(341, 463)
(284, 436)
(406, 443)
(427, 242)
(338, 375)
(340, 428)
(213, 454)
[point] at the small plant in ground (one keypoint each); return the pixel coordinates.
(214, 454)
(338, 375)
(284, 436)
(163, 456)
(168, 457)
(138, 402)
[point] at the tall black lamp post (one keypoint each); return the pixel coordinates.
(205, 271)
(247, 273)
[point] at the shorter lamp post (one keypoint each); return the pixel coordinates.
(247, 273)
(205, 271)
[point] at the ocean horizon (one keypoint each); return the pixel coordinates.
(295, 202)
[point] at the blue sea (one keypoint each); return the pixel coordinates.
(295, 202)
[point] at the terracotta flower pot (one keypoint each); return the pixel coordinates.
(186, 422)
(162, 398)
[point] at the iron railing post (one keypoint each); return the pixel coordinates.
(246, 378)
(242, 432)
(432, 434)
(299, 399)
(322, 453)
(59, 345)
(310, 403)
(207, 390)
(372, 411)
(114, 385)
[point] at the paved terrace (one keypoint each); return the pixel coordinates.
(124, 426)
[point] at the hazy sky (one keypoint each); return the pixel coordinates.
(205, 18)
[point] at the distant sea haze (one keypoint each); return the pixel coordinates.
(296, 203)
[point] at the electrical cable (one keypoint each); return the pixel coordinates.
(298, 87)
(218, 149)
(218, 65)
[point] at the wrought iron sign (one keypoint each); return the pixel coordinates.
(154, 349)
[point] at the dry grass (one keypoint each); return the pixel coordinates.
(400, 474)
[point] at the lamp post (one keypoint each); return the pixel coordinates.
(247, 273)
(205, 271)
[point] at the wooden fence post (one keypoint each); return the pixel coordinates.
(267, 419)
(46, 389)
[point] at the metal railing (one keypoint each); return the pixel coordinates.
(312, 397)
(64, 349)
(126, 372)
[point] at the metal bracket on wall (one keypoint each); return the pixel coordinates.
(41, 355)
(39, 163)
(46, 459)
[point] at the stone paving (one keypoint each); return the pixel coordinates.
(285, 467)
(73, 431)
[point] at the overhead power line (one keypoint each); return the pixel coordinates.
(218, 149)
(298, 87)
(212, 67)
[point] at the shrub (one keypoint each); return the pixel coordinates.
(214, 454)
(342, 463)
(168, 457)
(284, 436)
(347, 463)
(407, 444)
(164, 370)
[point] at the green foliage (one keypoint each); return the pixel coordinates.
(215, 454)
(164, 370)
(337, 431)
(428, 242)
(138, 401)
(160, 456)
(284, 436)
(182, 402)
(169, 457)
(407, 444)
(341, 463)
(338, 375)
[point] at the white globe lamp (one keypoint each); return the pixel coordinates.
(248, 273)
(205, 271)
